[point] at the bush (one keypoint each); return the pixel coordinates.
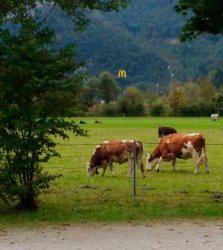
(157, 110)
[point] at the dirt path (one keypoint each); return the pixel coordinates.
(172, 235)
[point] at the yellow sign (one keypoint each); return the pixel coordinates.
(122, 73)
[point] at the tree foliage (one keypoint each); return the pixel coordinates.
(176, 98)
(38, 87)
(20, 9)
(108, 87)
(204, 16)
(90, 92)
(131, 104)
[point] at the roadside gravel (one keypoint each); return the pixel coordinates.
(197, 235)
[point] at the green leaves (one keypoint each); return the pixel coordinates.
(203, 17)
(18, 10)
(38, 87)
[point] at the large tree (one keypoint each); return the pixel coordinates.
(203, 16)
(38, 87)
(108, 87)
(176, 98)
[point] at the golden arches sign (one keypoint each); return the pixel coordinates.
(122, 73)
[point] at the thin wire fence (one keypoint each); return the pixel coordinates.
(118, 143)
(147, 143)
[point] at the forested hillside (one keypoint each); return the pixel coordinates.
(142, 39)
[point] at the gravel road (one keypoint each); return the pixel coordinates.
(191, 235)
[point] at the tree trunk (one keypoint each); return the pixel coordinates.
(28, 201)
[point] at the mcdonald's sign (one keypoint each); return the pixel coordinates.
(122, 73)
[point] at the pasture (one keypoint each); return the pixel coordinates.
(163, 195)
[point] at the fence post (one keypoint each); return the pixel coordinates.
(134, 169)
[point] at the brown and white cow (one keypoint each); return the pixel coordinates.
(118, 151)
(179, 145)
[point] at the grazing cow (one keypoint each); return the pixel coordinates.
(162, 131)
(119, 151)
(97, 121)
(179, 145)
(83, 122)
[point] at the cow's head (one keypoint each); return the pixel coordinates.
(151, 161)
(91, 169)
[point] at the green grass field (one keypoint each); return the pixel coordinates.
(163, 195)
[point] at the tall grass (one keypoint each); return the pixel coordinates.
(163, 195)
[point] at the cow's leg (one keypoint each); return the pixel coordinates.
(165, 156)
(103, 170)
(206, 167)
(199, 159)
(141, 166)
(174, 164)
(203, 160)
(196, 159)
(196, 168)
(142, 169)
(158, 164)
(131, 167)
(111, 168)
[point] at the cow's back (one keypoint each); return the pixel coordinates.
(176, 143)
(119, 151)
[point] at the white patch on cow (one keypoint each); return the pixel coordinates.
(127, 141)
(98, 146)
(152, 164)
(168, 142)
(189, 145)
(90, 171)
(106, 142)
(122, 158)
(193, 134)
(187, 150)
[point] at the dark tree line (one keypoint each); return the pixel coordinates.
(198, 98)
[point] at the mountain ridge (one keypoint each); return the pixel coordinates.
(143, 39)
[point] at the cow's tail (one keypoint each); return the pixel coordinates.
(140, 147)
(203, 157)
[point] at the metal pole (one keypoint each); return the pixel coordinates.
(134, 169)
(157, 89)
